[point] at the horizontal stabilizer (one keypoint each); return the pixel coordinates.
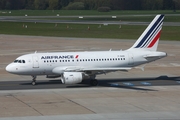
(155, 55)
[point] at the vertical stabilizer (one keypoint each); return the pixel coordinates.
(150, 37)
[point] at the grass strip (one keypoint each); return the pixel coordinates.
(84, 30)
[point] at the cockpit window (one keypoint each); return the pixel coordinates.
(15, 61)
(19, 61)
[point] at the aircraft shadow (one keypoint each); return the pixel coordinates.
(116, 83)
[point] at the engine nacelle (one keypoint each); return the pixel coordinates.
(72, 77)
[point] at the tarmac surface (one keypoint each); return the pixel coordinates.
(151, 94)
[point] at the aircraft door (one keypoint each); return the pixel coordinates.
(131, 59)
(35, 62)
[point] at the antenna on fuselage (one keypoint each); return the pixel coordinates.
(35, 52)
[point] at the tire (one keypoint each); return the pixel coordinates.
(33, 83)
(94, 82)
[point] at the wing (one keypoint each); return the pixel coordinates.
(94, 70)
(107, 69)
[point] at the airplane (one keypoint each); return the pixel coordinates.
(74, 67)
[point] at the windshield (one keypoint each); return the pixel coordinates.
(19, 61)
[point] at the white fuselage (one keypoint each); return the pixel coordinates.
(44, 63)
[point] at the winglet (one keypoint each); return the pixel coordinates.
(150, 37)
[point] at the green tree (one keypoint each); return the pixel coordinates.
(117, 4)
(152, 4)
(2, 4)
(94, 4)
(89, 4)
(64, 3)
(131, 4)
(8, 5)
(54, 4)
(41, 4)
(29, 4)
(19, 4)
(75, 6)
(177, 4)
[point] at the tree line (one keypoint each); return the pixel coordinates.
(90, 4)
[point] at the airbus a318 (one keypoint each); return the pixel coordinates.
(74, 67)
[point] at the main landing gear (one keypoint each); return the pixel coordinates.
(33, 80)
(93, 82)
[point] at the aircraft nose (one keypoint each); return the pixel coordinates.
(10, 68)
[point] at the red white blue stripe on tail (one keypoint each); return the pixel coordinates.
(150, 37)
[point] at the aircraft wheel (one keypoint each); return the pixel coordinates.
(94, 82)
(33, 83)
(33, 80)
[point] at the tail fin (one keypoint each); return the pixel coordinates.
(150, 37)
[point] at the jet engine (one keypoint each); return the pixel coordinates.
(72, 77)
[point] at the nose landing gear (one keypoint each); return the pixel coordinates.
(33, 80)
